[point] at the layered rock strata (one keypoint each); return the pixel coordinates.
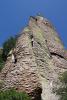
(41, 58)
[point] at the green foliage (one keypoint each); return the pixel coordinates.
(62, 91)
(63, 78)
(13, 95)
(7, 46)
(1, 83)
(1, 61)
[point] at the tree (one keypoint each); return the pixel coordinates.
(7, 46)
(1, 60)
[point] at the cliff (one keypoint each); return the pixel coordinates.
(41, 59)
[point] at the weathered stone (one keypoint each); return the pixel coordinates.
(39, 62)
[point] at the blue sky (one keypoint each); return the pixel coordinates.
(14, 16)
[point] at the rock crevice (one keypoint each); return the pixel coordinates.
(41, 58)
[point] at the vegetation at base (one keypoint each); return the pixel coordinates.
(7, 46)
(62, 91)
(13, 95)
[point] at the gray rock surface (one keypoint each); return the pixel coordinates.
(41, 58)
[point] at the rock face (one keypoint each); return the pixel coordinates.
(41, 58)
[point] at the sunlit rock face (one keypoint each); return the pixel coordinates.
(41, 58)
